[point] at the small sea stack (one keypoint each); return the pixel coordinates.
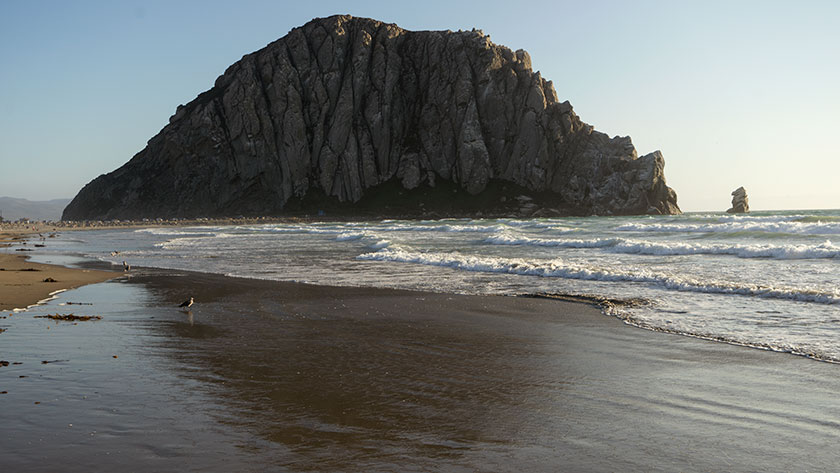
(740, 202)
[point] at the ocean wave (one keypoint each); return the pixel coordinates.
(376, 242)
(446, 228)
(528, 224)
(193, 241)
(504, 238)
(821, 251)
(641, 247)
(177, 232)
(382, 227)
(790, 227)
(305, 229)
(559, 269)
(818, 218)
(350, 236)
(755, 218)
(380, 244)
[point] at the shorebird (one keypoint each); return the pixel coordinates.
(187, 304)
(126, 267)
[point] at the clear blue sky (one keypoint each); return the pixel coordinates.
(734, 93)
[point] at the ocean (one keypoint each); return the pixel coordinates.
(769, 280)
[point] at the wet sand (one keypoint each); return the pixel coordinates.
(266, 376)
(23, 283)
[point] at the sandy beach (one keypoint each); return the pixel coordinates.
(23, 283)
(268, 376)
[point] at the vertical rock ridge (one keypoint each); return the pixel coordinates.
(341, 105)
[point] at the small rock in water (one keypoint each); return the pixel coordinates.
(740, 202)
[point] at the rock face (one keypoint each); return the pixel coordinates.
(344, 105)
(740, 202)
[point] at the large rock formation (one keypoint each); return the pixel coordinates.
(343, 106)
(740, 202)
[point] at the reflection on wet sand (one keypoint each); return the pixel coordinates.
(265, 376)
(348, 379)
(344, 379)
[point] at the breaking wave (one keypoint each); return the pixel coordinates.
(559, 269)
(641, 247)
(737, 226)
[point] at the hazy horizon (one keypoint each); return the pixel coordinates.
(732, 94)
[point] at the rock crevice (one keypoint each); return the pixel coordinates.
(342, 105)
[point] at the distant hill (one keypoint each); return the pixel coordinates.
(13, 209)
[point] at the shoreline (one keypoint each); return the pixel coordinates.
(24, 284)
(270, 375)
(11, 233)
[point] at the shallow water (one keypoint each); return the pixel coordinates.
(264, 376)
(768, 279)
(110, 397)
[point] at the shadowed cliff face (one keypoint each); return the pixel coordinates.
(342, 105)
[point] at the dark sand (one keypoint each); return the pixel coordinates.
(264, 376)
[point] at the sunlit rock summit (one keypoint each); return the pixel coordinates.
(352, 114)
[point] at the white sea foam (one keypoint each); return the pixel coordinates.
(196, 241)
(793, 251)
(560, 269)
(447, 228)
(380, 244)
(177, 231)
(342, 229)
(642, 247)
(376, 242)
(537, 224)
(504, 238)
(350, 236)
(305, 229)
(791, 227)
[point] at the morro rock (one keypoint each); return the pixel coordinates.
(740, 202)
(351, 113)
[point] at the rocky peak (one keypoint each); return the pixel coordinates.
(343, 105)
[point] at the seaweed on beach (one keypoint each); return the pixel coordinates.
(69, 317)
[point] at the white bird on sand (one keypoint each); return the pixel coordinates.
(126, 266)
(187, 304)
